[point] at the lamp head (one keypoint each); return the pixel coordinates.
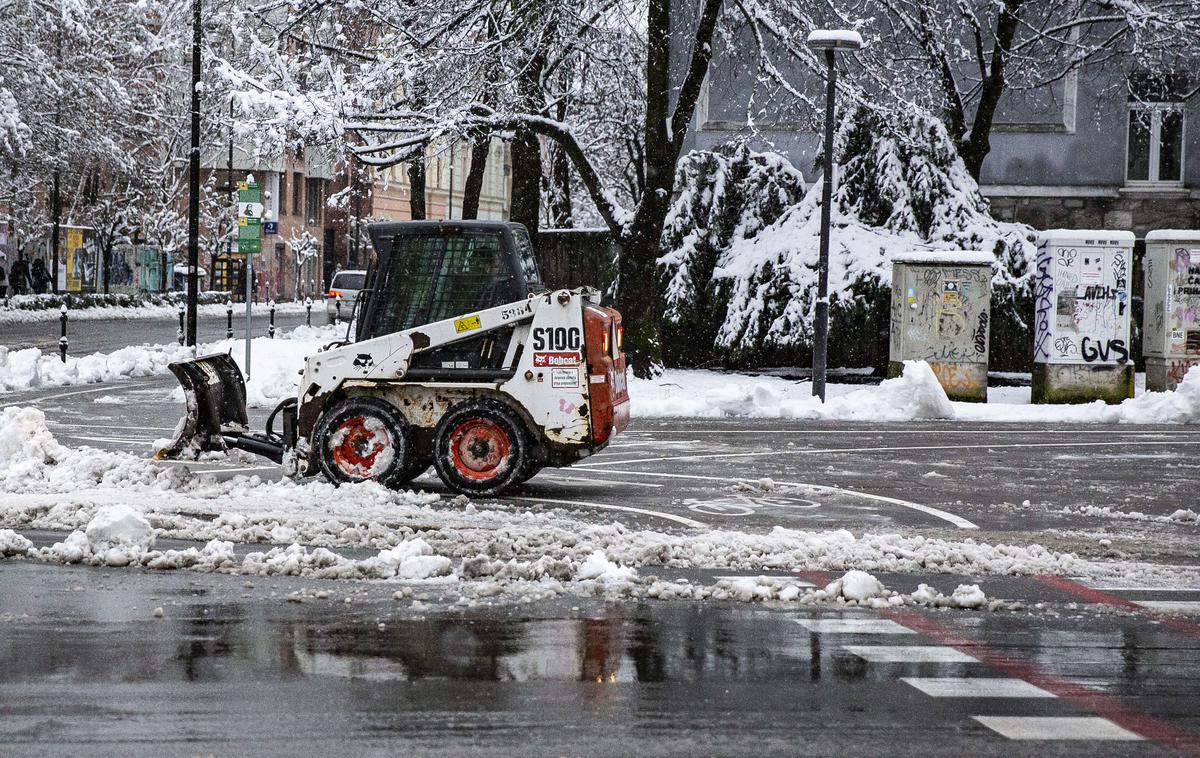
(834, 39)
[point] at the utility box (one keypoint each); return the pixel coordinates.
(1171, 320)
(941, 311)
(1081, 347)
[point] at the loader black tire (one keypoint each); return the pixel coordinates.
(352, 435)
(481, 448)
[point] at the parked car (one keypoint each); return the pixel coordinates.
(346, 284)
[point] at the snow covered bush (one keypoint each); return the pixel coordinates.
(901, 187)
(723, 197)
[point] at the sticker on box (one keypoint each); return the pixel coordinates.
(564, 378)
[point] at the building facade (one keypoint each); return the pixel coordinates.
(1098, 149)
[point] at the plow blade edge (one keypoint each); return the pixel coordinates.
(216, 405)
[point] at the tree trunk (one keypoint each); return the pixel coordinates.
(473, 187)
(416, 188)
(976, 145)
(560, 189)
(526, 181)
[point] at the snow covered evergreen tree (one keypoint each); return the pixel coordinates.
(902, 186)
(722, 197)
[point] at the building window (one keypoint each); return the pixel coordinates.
(297, 193)
(1155, 144)
(312, 201)
(281, 201)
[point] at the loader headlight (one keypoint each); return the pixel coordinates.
(604, 344)
(620, 338)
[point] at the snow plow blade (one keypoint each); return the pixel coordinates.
(216, 405)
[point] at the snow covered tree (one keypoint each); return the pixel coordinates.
(721, 198)
(611, 84)
(902, 186)
(957, 59)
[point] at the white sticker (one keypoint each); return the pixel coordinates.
(563, 378)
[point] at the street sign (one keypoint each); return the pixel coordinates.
(250, 210)
(270, 227)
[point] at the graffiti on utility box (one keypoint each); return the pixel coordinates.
(941, 310)
(1081, 310)
(1171, 275)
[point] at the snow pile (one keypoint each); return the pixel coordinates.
(856, 585)
(916, 394)
(413, 559)
(34, 308)
(12, 543)
(119, 526)
(599, 568)
(966, 596)
(275, 363)
(26, 447)
(1182, 406)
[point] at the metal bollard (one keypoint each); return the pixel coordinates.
(271, 328)
(308, 311)
(228, 319)
(179, 333)
(337, 306)
(62, 340)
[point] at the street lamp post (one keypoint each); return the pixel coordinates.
(829, 41)
(193, 290)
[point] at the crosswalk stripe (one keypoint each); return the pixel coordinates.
(1056, 728)
(853, 626)
(908, 654)
(1171, 606)
(959, 686)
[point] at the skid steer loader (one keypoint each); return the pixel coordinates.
(461, 360)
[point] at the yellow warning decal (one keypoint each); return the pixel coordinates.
(466, 324)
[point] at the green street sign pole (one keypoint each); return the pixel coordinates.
(250, 211)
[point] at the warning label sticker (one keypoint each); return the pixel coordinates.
(564, 378)
(543, 360)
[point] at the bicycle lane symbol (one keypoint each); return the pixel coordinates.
(737, 505)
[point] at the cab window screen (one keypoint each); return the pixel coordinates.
(529, 267)
(437, 276)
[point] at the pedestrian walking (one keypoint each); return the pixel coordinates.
(18, 276)
(41, 277)
(3, 280)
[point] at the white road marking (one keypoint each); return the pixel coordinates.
(596, 481)
(853, 626)
(60, 395)
(71, 425)
(135, 440)
(891, 449)
(1190, 607)
(909, 654)
(823, 432)
(792, 578)
(958, 521)
(958, 686)
(1056, 728)
(1142, 589)
(605, 506)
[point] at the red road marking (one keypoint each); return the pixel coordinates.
(818, 578)
(1152, 728)
(1103, 598)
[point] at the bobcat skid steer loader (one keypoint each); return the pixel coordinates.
(462, 360)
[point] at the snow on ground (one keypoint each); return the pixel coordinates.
(116, 505)
(914, 396)
(274, 363)
(29, 314)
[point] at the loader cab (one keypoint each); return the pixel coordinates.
(433, 270)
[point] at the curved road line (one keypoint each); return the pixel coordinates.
(605, 506)
(958, 521)
(893, 449)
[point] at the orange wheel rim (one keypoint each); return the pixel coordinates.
(479, 449)
(356, 446)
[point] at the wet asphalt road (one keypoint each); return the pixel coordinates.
(237, 667)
